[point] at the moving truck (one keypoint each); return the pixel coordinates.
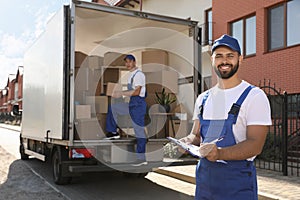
(73, 67)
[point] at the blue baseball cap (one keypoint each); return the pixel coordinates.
(129, 57)
(228, 41)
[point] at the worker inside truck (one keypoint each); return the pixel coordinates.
(136, 108)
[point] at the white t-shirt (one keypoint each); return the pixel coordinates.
(138, 80)
(255, 109)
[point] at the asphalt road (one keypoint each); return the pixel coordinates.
(105, 185)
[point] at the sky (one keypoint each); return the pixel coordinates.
(22, 21)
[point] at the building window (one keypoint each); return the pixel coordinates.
(283, 30)
(293, 18)
(245, 31)
(293, 105)
(208, 38)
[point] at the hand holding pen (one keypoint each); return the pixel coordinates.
(205, 148)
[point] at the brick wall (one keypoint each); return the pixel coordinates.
(20, 89)
(281, 67)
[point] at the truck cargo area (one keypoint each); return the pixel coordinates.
(102, 39)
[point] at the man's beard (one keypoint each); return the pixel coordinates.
(229, 74)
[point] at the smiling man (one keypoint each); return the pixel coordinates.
(237, 112)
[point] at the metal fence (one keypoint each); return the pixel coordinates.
(282, 148)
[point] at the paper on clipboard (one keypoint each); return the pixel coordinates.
(192, 149)
(197, 151)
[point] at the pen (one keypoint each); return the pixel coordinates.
(216, 140)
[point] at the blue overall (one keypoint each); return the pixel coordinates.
(137, 110)
(224, 180)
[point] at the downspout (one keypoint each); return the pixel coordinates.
(141, 5)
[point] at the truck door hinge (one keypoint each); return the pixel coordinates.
(71, 72)
(191, 32)
(72, 20)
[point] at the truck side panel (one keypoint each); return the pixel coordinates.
(44, 83)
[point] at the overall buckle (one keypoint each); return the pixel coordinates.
(235, 109)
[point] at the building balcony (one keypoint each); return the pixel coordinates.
(206, 37)
(206, 49)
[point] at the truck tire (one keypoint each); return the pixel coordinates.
(57, 168)
(22, 153)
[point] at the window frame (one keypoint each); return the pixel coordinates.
(244, 27)
(269, 49)
(207, 39)
(285, 22)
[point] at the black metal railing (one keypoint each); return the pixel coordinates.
(282, 147)
(207, 38)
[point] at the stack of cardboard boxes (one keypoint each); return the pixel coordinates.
(180, 122)
(98, 77)
(155, 65)
(91, 117)
(92, 77)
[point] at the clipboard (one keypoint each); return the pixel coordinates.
(192, 149)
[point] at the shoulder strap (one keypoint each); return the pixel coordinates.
(131, 80)
(235, 108)
(244, 95)
(203, 102)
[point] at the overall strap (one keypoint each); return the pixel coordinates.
(235, 108)
(131, 80)
(203, 102)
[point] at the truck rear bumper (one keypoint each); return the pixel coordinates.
(127, 167)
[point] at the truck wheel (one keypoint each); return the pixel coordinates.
(58, 177)
(22, 153)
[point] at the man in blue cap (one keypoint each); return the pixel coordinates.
(230, 125)
(136, 108)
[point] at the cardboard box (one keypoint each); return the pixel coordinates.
(118, 153)
(79, 58)
(180, 128)
(99, 89)
(157, 128)
(153, 67)
(113, 59)
(83, 111)
(113, 87)
(179, 109)
(154, 60)
(84, 79)
(98, 104)
(111, 75)
(156, 81)
(101, 117)
(125, 152)
(154, 151)
(87, 79)
(150, 100)
(89, 129)
(93, 62)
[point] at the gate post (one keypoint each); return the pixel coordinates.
(284, 134)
